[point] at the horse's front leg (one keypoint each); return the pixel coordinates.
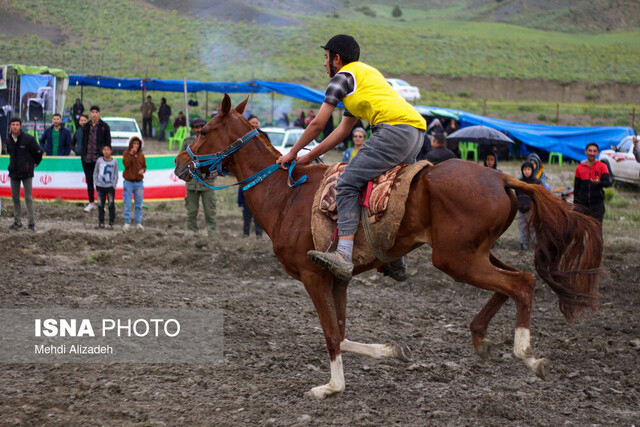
(320, 288)
(377, 351)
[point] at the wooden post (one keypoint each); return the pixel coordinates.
(63, 60)
(83, 63)
(102, 62)
(121, 63)
(633, 118)
(484, 107)
(557, 113)
(206, 106)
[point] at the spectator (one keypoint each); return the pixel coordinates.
(105, 176)
(283, 120)
(164, 113)
(524, 206)
(359, 136)
(147, 109)
(197, 190)
(95, 135)
(491, 161)
(56, 140)
(76, 111)
(255, 122)
(309, 118)
(435, 127)
(300, 120)
(538, 169)
(426, 148)
(591, 177)
(135, 166)
(636, 149)
(179, 121)
(440, 152)
(247, 216)
(76, 140)
(24, 155)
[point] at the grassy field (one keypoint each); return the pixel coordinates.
(125, 38)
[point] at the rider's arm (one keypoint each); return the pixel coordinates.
(337, 136)
(310, 133)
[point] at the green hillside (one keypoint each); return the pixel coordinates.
(281, 42)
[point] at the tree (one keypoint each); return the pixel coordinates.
(397, 13)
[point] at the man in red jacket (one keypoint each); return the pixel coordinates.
(591, 177)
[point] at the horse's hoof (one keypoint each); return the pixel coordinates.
(542, 368)
(485, 348)
(322, 391)
(401, 352)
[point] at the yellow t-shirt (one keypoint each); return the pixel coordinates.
(374, 100)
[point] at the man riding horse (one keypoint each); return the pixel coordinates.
(398, 132)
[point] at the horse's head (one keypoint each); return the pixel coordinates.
(222, 131)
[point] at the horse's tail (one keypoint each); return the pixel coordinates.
(568, 252)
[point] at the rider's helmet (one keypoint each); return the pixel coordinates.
(345, 46)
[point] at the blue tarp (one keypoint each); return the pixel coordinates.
(570, 141)
(254, 86)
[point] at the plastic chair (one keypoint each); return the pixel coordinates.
(466, 148)
(472, 147)
(181, 134)
(557, 156)
(462, 146)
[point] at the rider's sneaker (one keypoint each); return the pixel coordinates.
(89, 207)
(397, 272)
(335, 262)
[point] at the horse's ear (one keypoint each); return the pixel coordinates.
(240, 108)
(226, 105)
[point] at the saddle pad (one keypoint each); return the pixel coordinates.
(378, 200)
(384, 230)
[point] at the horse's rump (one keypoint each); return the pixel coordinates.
(384, 229)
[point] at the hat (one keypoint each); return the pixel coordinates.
(198, 122)
(345, 46)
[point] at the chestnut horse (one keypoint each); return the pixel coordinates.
(458, 207)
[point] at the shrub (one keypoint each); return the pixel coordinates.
(542, 117)
(396, 13)
(366, 10)
(609, 194)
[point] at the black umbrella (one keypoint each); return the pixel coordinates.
(480, 135)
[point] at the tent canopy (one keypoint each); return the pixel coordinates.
(254, 86)
(568, 140)
(37, 69)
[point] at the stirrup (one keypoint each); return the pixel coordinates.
(399, 274)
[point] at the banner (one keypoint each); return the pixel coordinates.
(59, 177)
(37, 95)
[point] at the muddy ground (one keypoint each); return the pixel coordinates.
(274, 348)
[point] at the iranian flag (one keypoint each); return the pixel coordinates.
(60, 177)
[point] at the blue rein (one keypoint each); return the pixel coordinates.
(214, 161)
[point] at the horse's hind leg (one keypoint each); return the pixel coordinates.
(480, 323)
(477, 270)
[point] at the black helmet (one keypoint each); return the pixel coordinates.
(345, 46)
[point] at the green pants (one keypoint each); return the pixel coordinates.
(191, 202)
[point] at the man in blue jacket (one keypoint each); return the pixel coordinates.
(24, 155)
(56, 141)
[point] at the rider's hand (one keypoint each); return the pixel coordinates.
(287, 158)
(305, 160)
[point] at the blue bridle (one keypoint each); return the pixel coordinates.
(214, 161)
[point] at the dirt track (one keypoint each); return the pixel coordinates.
(274, 348)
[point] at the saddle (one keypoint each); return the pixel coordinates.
(386, 206)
